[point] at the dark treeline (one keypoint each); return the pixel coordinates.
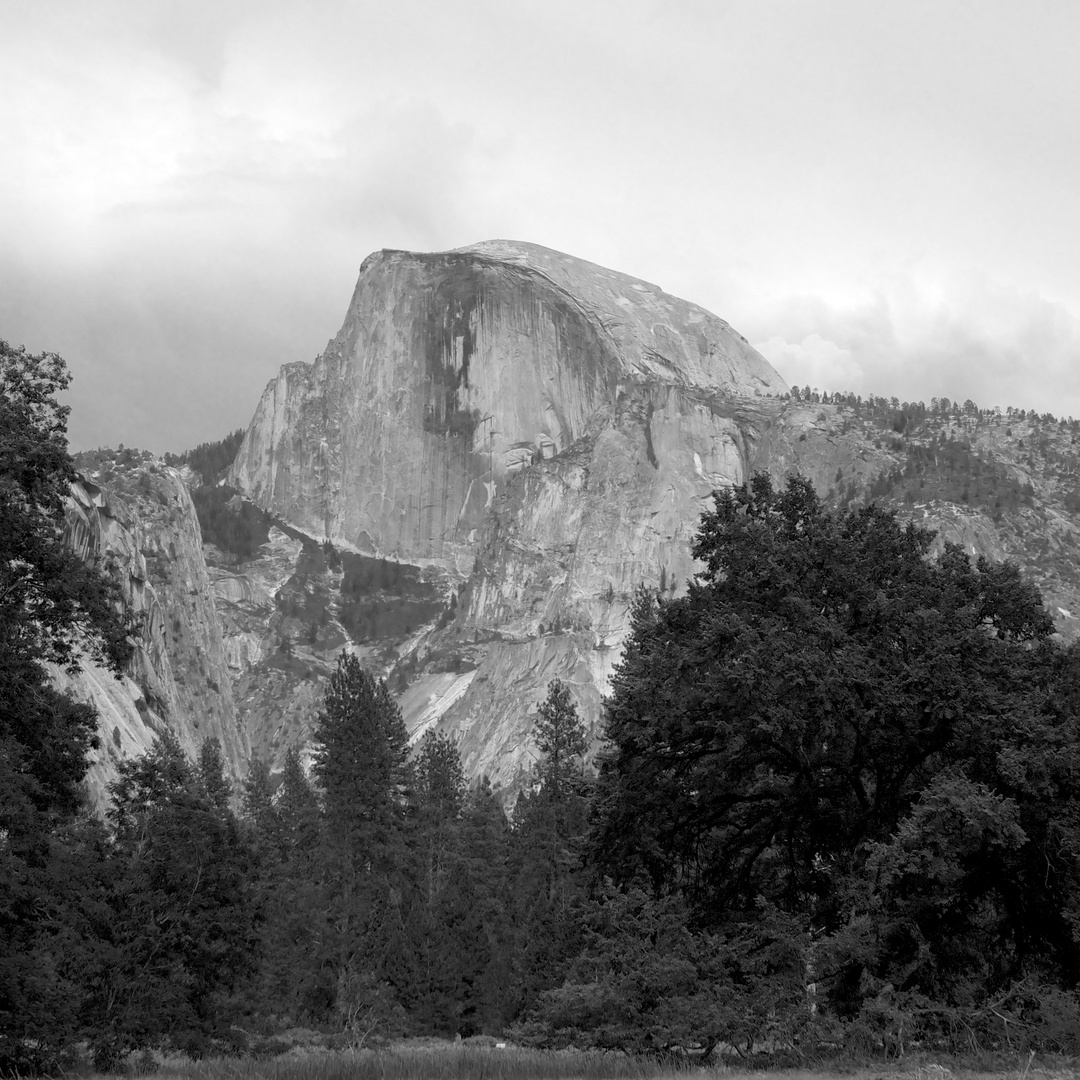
(210, 459)
(228, 522)
(225, 519)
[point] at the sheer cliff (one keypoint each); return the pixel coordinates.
(541, 433)
(454, 371)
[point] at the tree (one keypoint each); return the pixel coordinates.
(363, 769)
(52, 605)
(643, 982)
(362, 757)
(546, 850)
(440, 800)
(176, 931)
(292, 982)
(822, 700)
(53, 608)
(211, 773)
(560, 738)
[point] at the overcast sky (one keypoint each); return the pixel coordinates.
(883, 196)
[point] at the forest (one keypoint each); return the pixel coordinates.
(836, 814)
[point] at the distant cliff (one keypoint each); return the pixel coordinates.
(452, 372)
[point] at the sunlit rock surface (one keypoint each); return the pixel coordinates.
(133, 518)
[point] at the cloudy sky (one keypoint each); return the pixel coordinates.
(883, 196)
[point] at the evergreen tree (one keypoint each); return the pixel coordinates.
(834, 724)
(212, 773)
(362, 760)
(485, 849)
(52, 607)
(546, 851)
(261, 813)
(362, 766)
(440, 800)
(452, 922)
(177, 928)
(293, 982)
(560, 738)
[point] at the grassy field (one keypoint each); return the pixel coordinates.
(458, 1062)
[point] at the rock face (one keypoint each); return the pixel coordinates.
(455, 371)
(542, 430)
(133, 518)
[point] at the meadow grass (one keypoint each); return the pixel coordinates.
(457, 1062)
(445, 1063)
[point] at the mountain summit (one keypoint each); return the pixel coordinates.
(541, 432)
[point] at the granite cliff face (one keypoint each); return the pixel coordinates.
(455, 371)
(542, 434)
(133, 518)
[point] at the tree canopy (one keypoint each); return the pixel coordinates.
(833, 722)
(52, 607)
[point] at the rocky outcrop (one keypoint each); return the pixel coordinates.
(132, 517)
(544, 430)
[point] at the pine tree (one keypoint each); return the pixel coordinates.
(440, 800)
(362, 760)
(363, 770)
(212, 773)
(560, 738)
(292, 982)
(546, 851)
(180, 906)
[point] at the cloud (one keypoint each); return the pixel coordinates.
(820, 363)
(966, 336)
(194, 184)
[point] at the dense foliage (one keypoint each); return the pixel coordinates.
(225, 519)
(52, 607)
(228, 522)
(882, 747)
(210, 459)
